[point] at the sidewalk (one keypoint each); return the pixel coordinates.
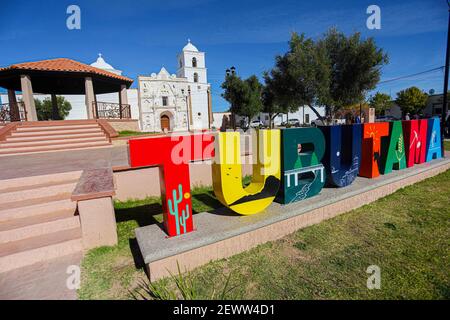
(24, 165)
(40, 281)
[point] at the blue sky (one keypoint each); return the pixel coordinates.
(140, 36)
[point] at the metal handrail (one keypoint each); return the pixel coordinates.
(10, 114)
(111, 110)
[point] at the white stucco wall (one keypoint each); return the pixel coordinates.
(152, 89)
(218, 118)
(302, 115)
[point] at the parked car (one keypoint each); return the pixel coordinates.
(385, 118)
(323, 122)
(291, 123)
(256, 124)
(318, 122)
(294, 122)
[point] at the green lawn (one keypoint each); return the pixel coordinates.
(406, 234)
(447, 145)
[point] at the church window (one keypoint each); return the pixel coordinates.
(165, 101)
(194, 62)
(196, 77)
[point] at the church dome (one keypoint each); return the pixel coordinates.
(190, 47)
(101, 64)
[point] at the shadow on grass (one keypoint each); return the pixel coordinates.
(143, 214)
(207, 202)
(213, 205)
(139, 262)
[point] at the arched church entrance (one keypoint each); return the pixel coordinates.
(165, 123)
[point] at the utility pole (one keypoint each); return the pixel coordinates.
(444, 107)
(228, 73)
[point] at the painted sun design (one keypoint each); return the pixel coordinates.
(373, 133)
(187, 195)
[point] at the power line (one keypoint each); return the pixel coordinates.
(416, 79)
(412, 75)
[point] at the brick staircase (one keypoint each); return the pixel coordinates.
(32, 137)
(38, 220)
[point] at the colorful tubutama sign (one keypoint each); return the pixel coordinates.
(289, 165)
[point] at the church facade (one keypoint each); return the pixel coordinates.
(177, 102)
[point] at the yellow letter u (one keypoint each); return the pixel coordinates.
(227, 171)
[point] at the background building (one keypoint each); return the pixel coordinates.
(178, 102)
(432, 108)
(304, 115)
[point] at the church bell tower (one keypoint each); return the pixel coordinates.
(191, 64)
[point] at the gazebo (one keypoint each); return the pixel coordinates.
(62, 76)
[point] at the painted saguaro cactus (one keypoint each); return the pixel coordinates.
(172, 155)
(303, 175)
(175, 204)
(342, 153)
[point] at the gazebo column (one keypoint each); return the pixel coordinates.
(13, 106)
(90, 97)
(55, 110)
(123, 97)
(27, 97)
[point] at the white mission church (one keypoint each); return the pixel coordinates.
(177, 102)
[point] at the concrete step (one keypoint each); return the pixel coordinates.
(12, 150)
(61, 207)
(26, 183)
(9, 144)
(28, 251)
(27, 228)
(56, 127)
(41, 133)
(57, 136)
(22, 198)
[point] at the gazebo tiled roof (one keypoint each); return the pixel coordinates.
(61, 76)
(64, 65)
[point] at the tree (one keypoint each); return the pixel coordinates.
(270, 106)
(381, 102)
(299, 77)
(244, 96)
(44, 108)
(411, 100)
(334, 72)
(354, 66)
(253, 98)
